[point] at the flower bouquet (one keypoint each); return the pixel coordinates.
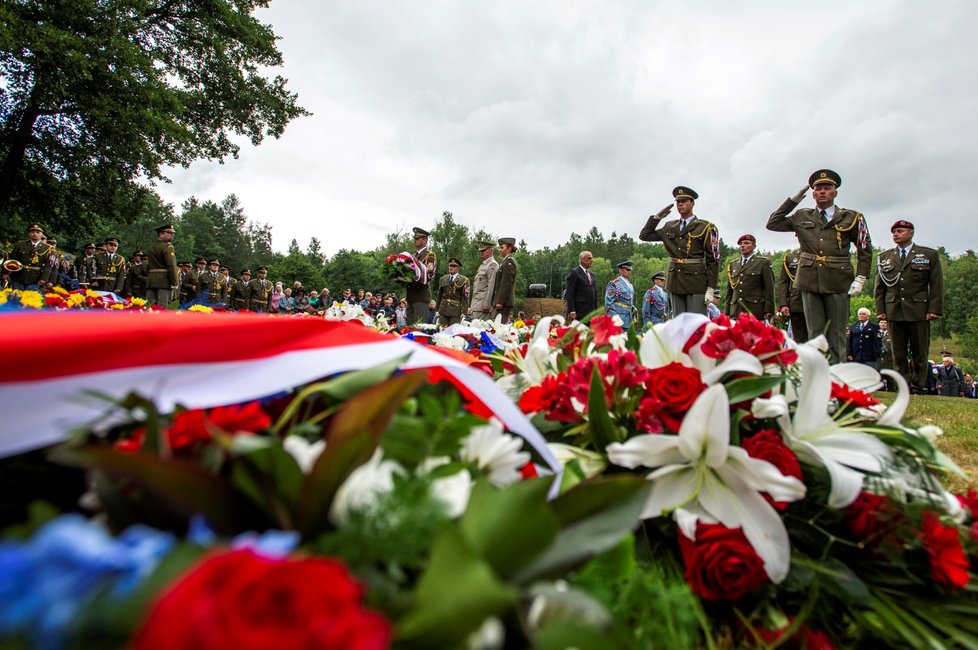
(404, 268)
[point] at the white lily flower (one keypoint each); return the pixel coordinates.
(362, 487)
(305, 453)
(663, 343)
(495, 452)
(700, 471)
(814, 435)
(591, 462)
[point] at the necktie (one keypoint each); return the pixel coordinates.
(825, 217)
(743, 261)
(903, 255)
(682, 229)
(588, 274)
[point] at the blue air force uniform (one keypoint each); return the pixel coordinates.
(619, 297)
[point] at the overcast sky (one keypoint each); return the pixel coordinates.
(538, 119)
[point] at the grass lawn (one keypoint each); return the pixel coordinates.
(958, 417)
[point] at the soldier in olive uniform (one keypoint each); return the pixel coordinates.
(453, 294)
(32, 254)
(162, 273)
(184, 287)
(825, 275)
(909, 295)
(110, 267)
(750, 282)
(227, 283)
(789, 296)
(619, 297)
(481, 306)
(504, 282)
(694, 246)
(260, 292)
(191, 280)
(85, 266)
(137, 276)
(241, 291)
(209, 285)
(419, 293)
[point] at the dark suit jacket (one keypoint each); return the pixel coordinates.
(581, 295)
(865, 345)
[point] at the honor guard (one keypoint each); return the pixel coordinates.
(825, 274)
(241, 291)
(750, 282)
(619, 297)
(209, 286)
(694, 246)
(481, 304)
(909, 295)
(162, 272)
(260, 292)
(419, 293)
(27, 265)
(110, 267)
(504, 282)
(85, 266)
(191, 280)
(655, 304)
(453, 294)
(789, 296)
(137, 276)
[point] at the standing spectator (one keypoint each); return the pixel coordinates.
(825, 274)
(970, 388)
(301, 302)
(432, 317)
(864, 345)
(950, 379)
(886, 352)
(581, 294)
(482, 284)
(655, 304)
(401, 313)
(619, 297)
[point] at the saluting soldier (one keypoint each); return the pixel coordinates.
(60, 273)
(209, 284)
(909, 295)
(825, 274)
(504, 281)
(241, 291)
(750, 282)
(31, 255)
(481, 306)
(789, 296)
(162, 272)
(137, 276)
(419, 293)
(694, 246)
(227, 282)
(85, 270)
(453, 294)
(260, 292)
(110, 267)
(619, 297)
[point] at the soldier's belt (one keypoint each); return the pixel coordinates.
(158, 270)
(824, 258)
(622, 304)
(688, 260)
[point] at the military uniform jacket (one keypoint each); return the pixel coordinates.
(35, 260)
(161, 266)
(619, 298)
(210, 285)
(504, 283)
(188, 288)
(695, 253)
(910, 290)
(482, 285)
(136, 280)
(655, 305)
(420, 291)
(824, 265)
(110, 271)
(85, 269)
(453, 295)
(240, 294)
(787, 294)
(260, 295)
(750, 287)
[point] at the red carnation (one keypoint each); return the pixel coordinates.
(769, 445)
(948, 562)
(721, 564)
(873, 519)
(750, 335)
(969, 502)
(604, 328)
(852, 396)
(242, 600)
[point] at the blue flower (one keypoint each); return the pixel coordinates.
(271, 543)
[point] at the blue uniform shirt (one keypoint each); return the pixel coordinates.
(655, 305)
(619, 299)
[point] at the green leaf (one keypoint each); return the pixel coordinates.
(511, 526)
(741, 390)
(271, 477)
(350, 441)
(563, 635)
(837, 578)
(599, 420)
(456, 593)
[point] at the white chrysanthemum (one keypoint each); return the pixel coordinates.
(305, 453)
(495, 452)
(361, 488)
(454, 491)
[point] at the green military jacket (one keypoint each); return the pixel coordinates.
(161, 266)
(911, 289)
(786, 293)
(260, 295)
(750, 287)
(504, 284)
(35, 260)
(240, 294)
(453, 295)
(110, 271)
(824, 265)
(695, 253)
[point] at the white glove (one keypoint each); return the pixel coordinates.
(857, 285)
(800, 196)
(708, 296)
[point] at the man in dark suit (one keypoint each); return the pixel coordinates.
(864, 344)
(581, 294)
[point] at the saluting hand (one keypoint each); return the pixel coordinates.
(663, 212)
(797, 198)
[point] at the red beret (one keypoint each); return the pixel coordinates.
(902, 223)
(747, 237)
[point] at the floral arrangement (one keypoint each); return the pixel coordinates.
(60, 298)
(404, 268)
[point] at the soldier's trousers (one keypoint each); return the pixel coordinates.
(445, 321)
(687, 302)
(828, 313)
(915, 336)
(799, 328)
(158, 297)
(505, 312)
(417, 312)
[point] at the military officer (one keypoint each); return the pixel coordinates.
(619, 297)
(32, 255)
(184, 287)
(789, 296)
(750, 282)
(162, 273)
(481, 305)
(110, 267)
(504, 282)
(209, 285)
(863, 345)
(825, 274)
(241, 291)
(909, 295)
(227, 283)
(85, 266)
(191, 280)
(694, 246)
(137, 276)
(453, 294)
(655, 304)
(260, 292)
(419, 293)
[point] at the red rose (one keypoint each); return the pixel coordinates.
(675, 387)
(769, 445)
(190, 427)
(805, 638)
(948, 563)
(873, 519)
(242, 600)
(721, 564)
(751, 335)
(969, 502)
